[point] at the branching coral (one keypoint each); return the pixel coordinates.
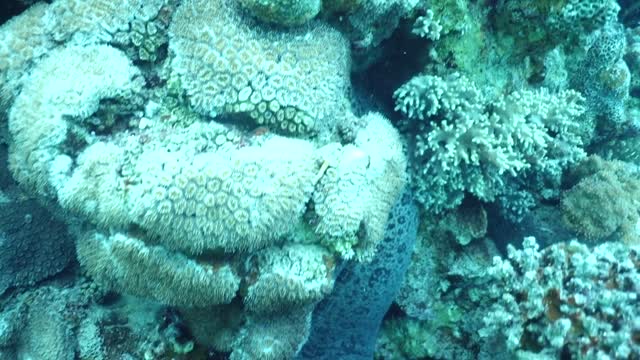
(566, 296)
(467, 143)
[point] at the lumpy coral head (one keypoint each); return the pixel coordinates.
(283, 12)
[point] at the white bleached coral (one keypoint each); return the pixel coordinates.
(194, 210)
(238, 200)
(43, 27)
(293, 81)
(68, 83)
(359, 188)
(291, 276)
(127, 264)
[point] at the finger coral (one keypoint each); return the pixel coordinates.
(465, 142)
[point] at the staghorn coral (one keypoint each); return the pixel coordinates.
(471, 144)
(293, 81)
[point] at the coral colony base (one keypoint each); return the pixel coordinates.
(319, 179)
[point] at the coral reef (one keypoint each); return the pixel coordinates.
(444, 310)
(34, 245)
(566, 297)
(465, 143)
(231, 175)
(596, 182)
(365, 292)
(293, 81)
(173, 195)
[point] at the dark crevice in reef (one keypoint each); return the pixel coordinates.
(5, 176)
(403, 58)
(629, 12)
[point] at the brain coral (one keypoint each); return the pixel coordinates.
(294, 81)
